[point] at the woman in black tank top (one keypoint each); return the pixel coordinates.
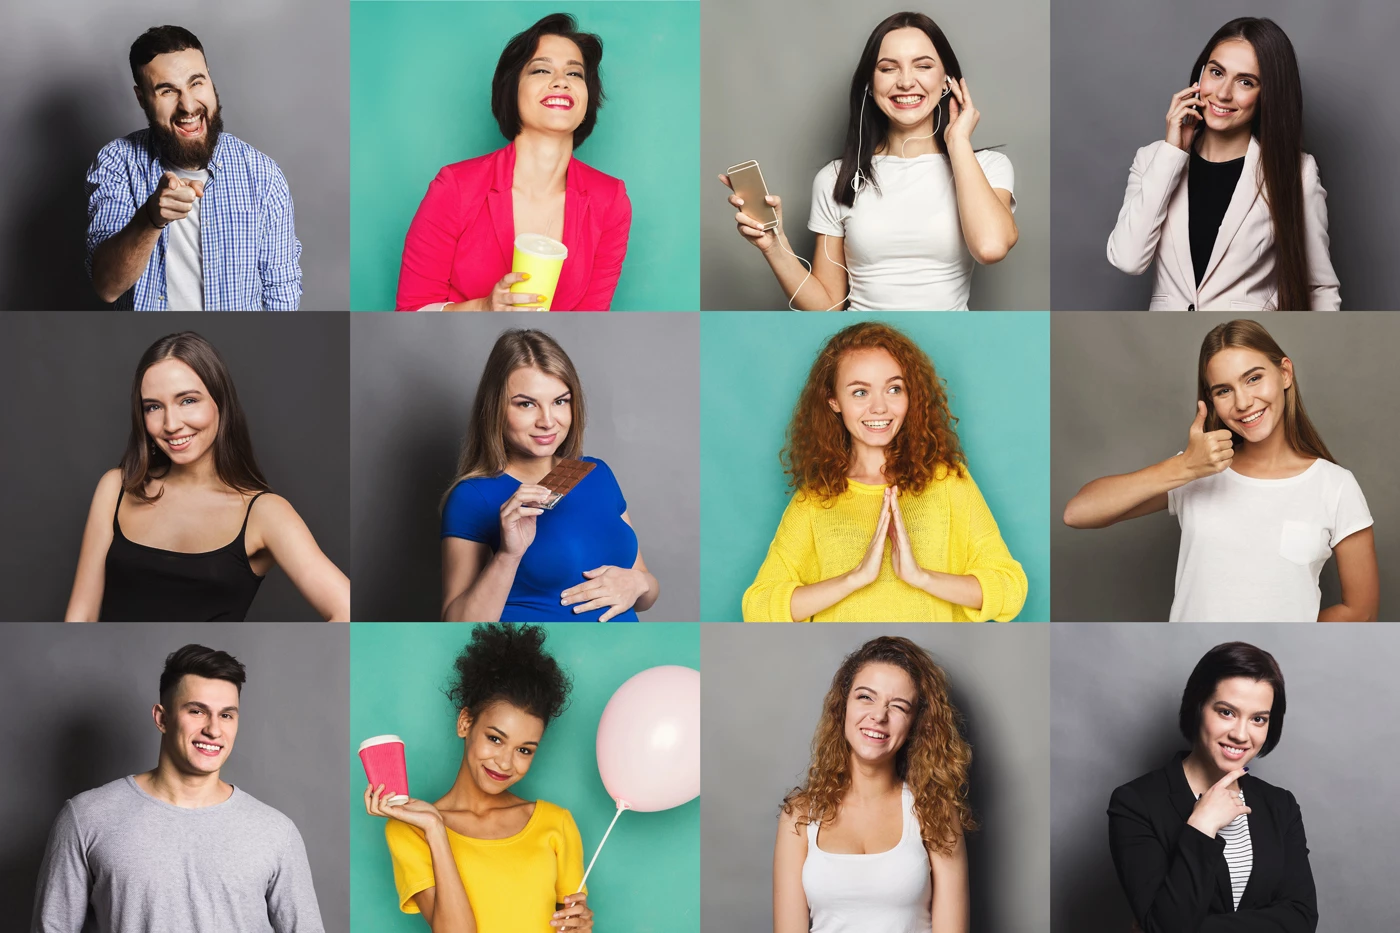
(173, 534)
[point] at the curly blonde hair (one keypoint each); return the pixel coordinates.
(933, 761)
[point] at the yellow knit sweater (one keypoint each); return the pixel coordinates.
(952, 531)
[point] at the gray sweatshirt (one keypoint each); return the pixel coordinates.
(121, 861)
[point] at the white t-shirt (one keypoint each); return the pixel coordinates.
(1252, 549)
(904, 243)
(184, 255)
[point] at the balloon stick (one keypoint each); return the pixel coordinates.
(620, 807)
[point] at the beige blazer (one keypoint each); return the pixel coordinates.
(1154, 224)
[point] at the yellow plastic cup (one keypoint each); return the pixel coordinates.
(543, 259)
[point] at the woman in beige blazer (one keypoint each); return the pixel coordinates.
(1228, 205)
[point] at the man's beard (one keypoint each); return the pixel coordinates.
(187, 153)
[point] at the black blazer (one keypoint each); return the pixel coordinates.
(1175, 876)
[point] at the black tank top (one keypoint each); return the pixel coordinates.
(148, 584)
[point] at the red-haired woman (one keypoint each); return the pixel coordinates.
(873, 841)
(873, 456)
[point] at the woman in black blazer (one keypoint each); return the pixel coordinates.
(1168, 829)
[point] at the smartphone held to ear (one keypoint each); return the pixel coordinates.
(1190, 118)
(747, 181)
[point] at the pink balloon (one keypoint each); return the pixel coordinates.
(649, 739)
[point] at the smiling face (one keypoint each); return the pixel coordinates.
(1235, 722)
(1230, 86)
(181, 418)
(539, 411)
(181, 106)
(553, 95)
(909, 77)
(879, 711)
(870, 396)
(198, 724)
(1248, 391)
(500, 745)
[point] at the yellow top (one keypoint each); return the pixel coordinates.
(952, 531)
(513, 884)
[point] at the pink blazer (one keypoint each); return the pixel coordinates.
(462, 239)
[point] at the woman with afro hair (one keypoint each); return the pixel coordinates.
(873, 841)
(886, 524)
(479, 859)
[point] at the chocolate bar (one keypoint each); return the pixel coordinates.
(565, 476)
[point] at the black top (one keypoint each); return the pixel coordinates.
(148, 584)
(1209, 188)
(1175, 876)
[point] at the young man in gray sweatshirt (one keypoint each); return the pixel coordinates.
(176, 849)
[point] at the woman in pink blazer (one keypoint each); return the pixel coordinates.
(457, 255)
(1228, 205)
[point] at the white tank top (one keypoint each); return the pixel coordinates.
(888, 892)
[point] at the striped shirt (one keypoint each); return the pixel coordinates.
(1239, 853)
(251, 255)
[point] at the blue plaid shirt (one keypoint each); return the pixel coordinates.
(251, 254)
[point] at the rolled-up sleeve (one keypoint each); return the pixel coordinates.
(111, 201)
(1001, 576)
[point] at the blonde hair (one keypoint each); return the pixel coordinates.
(484, 447)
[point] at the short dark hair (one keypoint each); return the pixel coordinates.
(1232, 659)
(508, 662)
(159, 40)
(505, 86)
(202, 662)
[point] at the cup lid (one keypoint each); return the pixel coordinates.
(537, 244)
(379, 740)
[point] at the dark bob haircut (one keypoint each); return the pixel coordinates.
(505, 86)
(158, 40)
(202, 662)
(1232, 659)
(508, 662)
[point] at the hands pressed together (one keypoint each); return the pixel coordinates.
(889, 527)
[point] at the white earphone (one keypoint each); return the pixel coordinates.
(859, 179)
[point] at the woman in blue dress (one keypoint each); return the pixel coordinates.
(504, 558)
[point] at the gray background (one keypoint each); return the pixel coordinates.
(760, 704)
(410, 405)
(75, 713)
(1123, 395)
(777, 78)
(68, 382)
(282, 70)
(1118, 62)
(1115, 694)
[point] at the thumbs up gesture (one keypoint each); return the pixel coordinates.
(172, 200)
(1207, 452)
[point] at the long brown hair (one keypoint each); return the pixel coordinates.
(933, 761)
(1251, 335)
(233, 448)
(818, 450)
(1278, 125)
(484, 447)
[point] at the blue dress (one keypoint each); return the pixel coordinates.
(583, 532)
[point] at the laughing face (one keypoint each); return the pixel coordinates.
(553, 95)
(199, 724)
(909, 77)
(500, 745)
(182, 107)
(1230, 86)
(1248, 391)
(539, 411)
(870, 396)
(879, 711)
(1235, 723)
(181, 419)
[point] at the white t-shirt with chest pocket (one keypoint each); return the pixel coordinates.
(1252, 549)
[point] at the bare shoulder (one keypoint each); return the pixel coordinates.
(272, 508)
(109, 487)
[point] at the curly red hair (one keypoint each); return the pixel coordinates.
(933, 761)
(817, 454)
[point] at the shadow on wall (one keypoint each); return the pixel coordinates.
(48, 227)
(981, 851)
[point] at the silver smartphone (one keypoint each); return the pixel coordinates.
(746, 179)
(1189, 119)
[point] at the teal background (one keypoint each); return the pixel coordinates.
(647, 879)
(420, 98)
(752, 367)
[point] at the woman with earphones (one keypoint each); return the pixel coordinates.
(903, 214)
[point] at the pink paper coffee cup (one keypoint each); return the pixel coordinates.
(384, 763)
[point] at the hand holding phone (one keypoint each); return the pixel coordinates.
(1183, 116)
